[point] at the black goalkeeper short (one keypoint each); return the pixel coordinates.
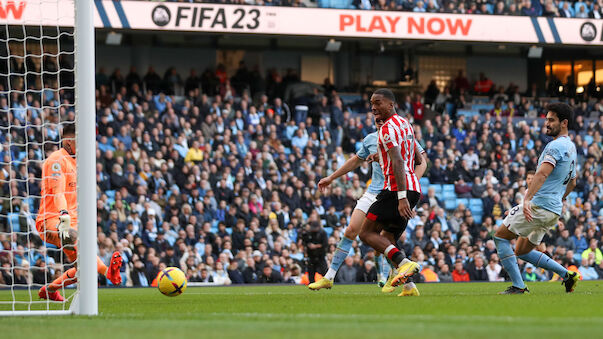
(385, 211)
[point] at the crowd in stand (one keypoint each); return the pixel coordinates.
(222, 181)
(549, 8)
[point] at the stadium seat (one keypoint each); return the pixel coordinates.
(424, 181)
(437, 188)
(448, 195)
(447, 188)
(110, 194)
(450, 204)
(475, 202)
(329, 231)
(22, 155)
(477, 218)
(476, 210)
(463, 201)
(424, 189)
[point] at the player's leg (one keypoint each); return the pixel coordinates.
(49, 233)
(502, 239)
(342, 251)
(406, 268)
(112, 272)
(344, 246)
(409, 289)
(525, 250)
(513, 226)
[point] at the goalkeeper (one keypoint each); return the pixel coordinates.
(57, 217)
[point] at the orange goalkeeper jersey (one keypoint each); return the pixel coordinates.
(58, 178)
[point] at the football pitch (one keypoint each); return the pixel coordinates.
(467, 310)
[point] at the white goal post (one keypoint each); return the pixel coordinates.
(53, 21)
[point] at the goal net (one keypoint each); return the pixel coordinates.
(40, 56)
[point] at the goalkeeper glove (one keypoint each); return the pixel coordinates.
(64, 224)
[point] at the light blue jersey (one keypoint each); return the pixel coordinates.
(369, 146)
(561, 153)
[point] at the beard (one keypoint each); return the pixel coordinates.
(552, 132)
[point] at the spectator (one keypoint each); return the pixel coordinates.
(596, 252)
(348, 272)
(459, 273)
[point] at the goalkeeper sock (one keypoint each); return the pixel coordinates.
(64, 280)
(101, 268)
(509, 261)
(542, 260)
(342, 251)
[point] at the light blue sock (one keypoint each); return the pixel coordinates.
(342, 251)
(542, 260)
(509, 261)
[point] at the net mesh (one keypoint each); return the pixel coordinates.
(36, 101)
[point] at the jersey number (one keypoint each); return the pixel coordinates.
(569, 175)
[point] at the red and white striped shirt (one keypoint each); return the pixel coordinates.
(397, 131)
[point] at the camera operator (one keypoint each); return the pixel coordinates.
(315, 241)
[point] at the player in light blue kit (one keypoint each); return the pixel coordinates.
(555, 178)
(369, 147)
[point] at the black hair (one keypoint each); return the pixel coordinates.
(386, 93)
(562, 110)
(69, 129)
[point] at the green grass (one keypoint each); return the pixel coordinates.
(470, 310)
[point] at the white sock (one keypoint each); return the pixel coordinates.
(388, 249)
(330, 274)
(404, 261)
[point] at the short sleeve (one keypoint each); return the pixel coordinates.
(387, 137)
(363, 152)
(552, 155)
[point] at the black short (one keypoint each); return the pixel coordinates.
(385, 210)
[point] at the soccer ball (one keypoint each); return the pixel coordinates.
(172, 282)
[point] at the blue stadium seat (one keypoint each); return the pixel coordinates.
(110, 194)
(476, 210)
(477, 218)
(450, 204)
(579, 4)
(329, 230)
(475, 202)
(448, 188)
(449, 195)
(22, 155)
(424, 181)
(437, 188)
(424, 189)
(463, 201)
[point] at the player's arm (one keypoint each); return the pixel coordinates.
(542, 173)
(351, 164)
(400, 175)
(420, 162)
(569, 188)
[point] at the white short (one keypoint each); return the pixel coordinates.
(542, 221)
(366, 200)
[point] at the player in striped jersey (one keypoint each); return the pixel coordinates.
(368, 149)
(401, 191)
